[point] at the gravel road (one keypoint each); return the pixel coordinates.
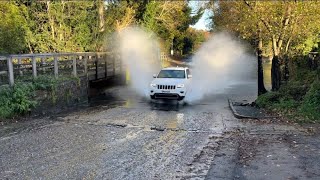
(122, 136)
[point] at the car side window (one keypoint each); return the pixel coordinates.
(188, 72)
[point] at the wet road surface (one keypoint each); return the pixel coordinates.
(122, 136)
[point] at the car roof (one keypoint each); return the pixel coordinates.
(175, 68)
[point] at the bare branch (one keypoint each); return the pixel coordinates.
(285, 25)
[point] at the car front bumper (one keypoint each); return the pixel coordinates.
(174, 94)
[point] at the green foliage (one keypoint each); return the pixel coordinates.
(311, 104)
(12, 29)
(50, 84)
(297, 101)
(170, 22)
(306, 46)
(16, 100)
(256, 19)
(20, 99)
(294, 90)
(268, 99)
(300, 71)
(286, 98)
(192, 39)
(45, 83)
(69, 26)
(65, 26)
(49, 26)
(286, 105)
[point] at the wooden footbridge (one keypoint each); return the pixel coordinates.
(92, 65)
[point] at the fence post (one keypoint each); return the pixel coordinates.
(56, 67)
(10, 71)
(74, 66)
(34, 67)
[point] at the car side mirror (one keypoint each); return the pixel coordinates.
(154, 76)
(189, 76)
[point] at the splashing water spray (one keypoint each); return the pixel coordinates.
(219, 63)
(139, 53)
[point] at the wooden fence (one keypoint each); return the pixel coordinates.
(93, 65)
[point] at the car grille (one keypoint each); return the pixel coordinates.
(166, 87)
(166, 96)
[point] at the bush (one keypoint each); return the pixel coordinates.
(267, 99)
(286, 104)
(295, 100)
(16, 100)
(311, 103)
(19, 99)
(5, 102)
(45, 83)
(276, 101)
(293, 90)
(299, 98)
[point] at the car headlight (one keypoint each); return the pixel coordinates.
(180, 85)
(153, 85)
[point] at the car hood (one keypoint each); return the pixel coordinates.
(169, 81)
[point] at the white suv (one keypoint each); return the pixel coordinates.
(170, 83)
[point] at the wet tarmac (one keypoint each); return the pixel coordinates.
(123, 136)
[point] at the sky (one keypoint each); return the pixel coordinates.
(203, 21)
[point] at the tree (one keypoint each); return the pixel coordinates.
(13, 29)
(62, 26)
(283, 23)
(235, 17)
(68, 26)
(170, 21)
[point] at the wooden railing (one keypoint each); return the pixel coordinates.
(93, 65)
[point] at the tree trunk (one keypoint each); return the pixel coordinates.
(101, 16)
(276, 46)
(275, 73)
(286, 68)
(275, 67)
(261, 88)
(50, 20)
(61, 31)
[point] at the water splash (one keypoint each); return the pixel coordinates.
(139, 53)
(220, 63)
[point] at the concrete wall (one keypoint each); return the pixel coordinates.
(71, 94)
(66, 95)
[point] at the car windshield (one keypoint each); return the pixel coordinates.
(171, 74)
